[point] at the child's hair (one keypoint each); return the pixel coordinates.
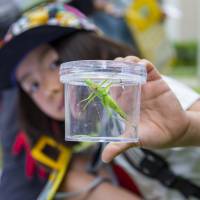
(79, 46)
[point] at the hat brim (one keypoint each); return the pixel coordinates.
(14, 51)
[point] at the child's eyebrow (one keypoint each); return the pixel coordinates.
(44, 52)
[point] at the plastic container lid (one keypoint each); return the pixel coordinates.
(102, 69)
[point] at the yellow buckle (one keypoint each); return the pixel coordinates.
(63, 153)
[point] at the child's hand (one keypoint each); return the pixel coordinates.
(162, 120)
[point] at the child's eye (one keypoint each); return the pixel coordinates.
(34, 87)
(55, 65)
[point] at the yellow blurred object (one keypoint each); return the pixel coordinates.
(145, 21)
(38, 153)
(142, 14)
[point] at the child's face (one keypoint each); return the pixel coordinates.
(38, 74)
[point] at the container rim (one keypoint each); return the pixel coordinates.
(73, 68)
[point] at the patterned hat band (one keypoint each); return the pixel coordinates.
(54, 14)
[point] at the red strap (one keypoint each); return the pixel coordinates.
(125, 180)
(42, 172)
(21, 143)
(31, 166)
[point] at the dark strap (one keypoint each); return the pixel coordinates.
(95, 162)
(156, 167)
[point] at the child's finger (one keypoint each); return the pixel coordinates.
(133, 59)
(119, 59)
(152, 72)
(114, 149)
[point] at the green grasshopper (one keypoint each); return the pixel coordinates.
(102, 93)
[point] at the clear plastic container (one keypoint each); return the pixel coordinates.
(102, 100)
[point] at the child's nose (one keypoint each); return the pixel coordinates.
(50, 92)
(51, 88)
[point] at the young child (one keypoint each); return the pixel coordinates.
(34, 47)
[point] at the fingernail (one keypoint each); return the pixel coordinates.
(105, 161)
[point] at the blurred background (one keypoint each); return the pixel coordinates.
(167, 32)
(164, 31)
